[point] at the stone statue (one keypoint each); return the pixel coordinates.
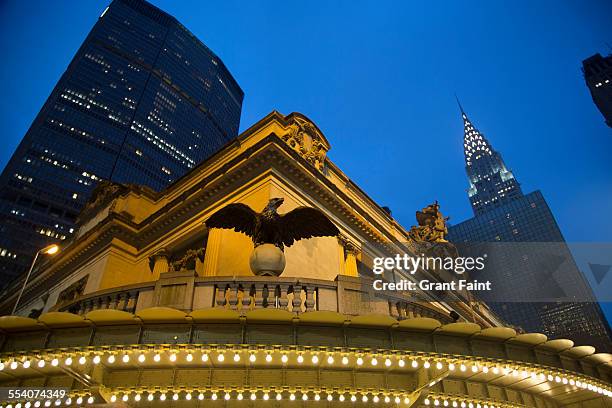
(271, 232)
(432, 225)
(188, 261)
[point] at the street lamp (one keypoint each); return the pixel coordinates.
(49, 250)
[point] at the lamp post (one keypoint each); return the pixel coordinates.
(50, 250)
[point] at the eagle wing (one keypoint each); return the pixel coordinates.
(238, 217)
(305, 222)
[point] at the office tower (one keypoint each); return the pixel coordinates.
(539, 286)
(142, 102)
(598, 76)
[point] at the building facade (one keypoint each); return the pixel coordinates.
(597, 72)
(142, 101)
(540, 285)
(145, 306)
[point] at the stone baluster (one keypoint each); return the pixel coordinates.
(289, 298)
(240, 301)
(114, 300)
(132, 301)
(122, 301)
(277, 297)
(258, 296)
(265, 295)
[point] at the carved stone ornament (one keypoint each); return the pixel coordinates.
(305, 138)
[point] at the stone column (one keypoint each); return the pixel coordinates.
(159, 262)
(349, 254)
(211, 255)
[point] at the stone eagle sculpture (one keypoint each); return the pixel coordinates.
(269, 227)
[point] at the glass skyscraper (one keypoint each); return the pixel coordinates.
(540, 287)
(142, 101)
(598, 76)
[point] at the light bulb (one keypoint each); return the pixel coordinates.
(317, 397)
(266, 396)
(279, 396)
(451, 367)
(376, 399)
(388, 362)
(341, 398)
(426, 364)
(401, 363)
(188, 396)
(252, 358)
(364, 398)
(113, 398)
(345, 360)
(353, 398)
(236, 357)
(96, 360)
(125, 398)
(175, 397)
(330, 360)
(227, 396)
(200, 396)
(156, 358)
(330, 397)
(305, 397)
(172, 357)
(162, 397)
(268, 358)
(213, 396)
(414, 364)
(221, 358)
(111, 359)
(204, 357)
(142, 358)
(137, 397)
(126, 358)
(439, 365)
(26, 364)
(284, 358)
(55, 362)
(359, 361)
(292, 397)
(239, 397)
(315, 359)
(189, 357)
(82, 360)
(150, 397)
(253, 396)
(300, 359)
(374, 361)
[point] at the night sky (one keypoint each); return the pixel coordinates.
(379, 79)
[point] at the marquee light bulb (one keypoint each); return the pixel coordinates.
(406, 400)
(137, 397)
(205, 357)
(292, 397)
(300, 359)
(364, 398)
(79, 400)
(96, 360)
(374, 361)
(253, 396)
(150, 397)
(82, 360)
(189, 357)
(111, 359)
(284, 358)
(266, 396)
(451, 367)
(162, 397)
(330, 360)
(125, 398)
(252, 357)
(376, 399)
(55, 362)
(126, 358)
(439, 365)
(236, 357)
(173, 357)
(462, 367)
(268, 358)
(279, 396)
(200, 396)
(214, 396)
(388, 362)
(401, 363)
(315, 359)
(353, 398)
(359, 361)
(13, 365)
(345, 360)
(113, 398)
(221, 358)
(317, 397)
(227, 396)
(387, 399)
(397, 400)
(341, 398)
(415, 364)
(330, 397)
(141, 358)
(157, 358)
(426, 364)
(175, 397)
(240, 397)
(305, 397)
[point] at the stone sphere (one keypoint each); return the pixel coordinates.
(267, 260)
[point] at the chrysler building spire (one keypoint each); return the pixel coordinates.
(491, 183)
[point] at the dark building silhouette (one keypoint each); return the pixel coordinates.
(598, 76)
(538, 284)
(142, 101)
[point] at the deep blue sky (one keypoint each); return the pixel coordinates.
(379, 78)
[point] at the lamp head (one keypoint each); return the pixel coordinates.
(50, 250)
